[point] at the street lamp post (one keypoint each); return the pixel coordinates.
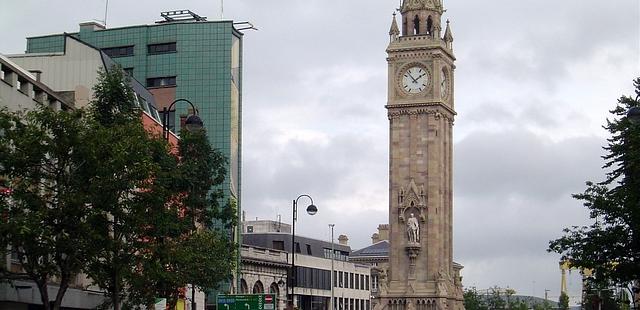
(633, 114)
(193, 121)
(331, 302)
(311, 209)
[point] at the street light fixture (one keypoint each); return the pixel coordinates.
(193, 122)
(311, 210)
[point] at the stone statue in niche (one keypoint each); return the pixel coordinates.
(413, 229)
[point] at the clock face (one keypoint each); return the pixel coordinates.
(415, 80)
(444, 84)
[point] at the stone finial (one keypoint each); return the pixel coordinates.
(448, 37)
(343, 240)
(375, 238)
(394, 26)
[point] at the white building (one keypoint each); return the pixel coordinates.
(266, 260)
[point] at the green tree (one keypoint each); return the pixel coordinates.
(563, 301)
(44, 219)
(518, 305)
(495, 299)
(545, 305)
(197, 250)
(121, 168)
(473, 301)
(611, 245)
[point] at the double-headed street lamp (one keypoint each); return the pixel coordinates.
(311, 209)
(192, 123)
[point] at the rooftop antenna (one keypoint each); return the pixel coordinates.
(106, 7)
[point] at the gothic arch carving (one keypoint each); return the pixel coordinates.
(413, 199)
(274, 289)
(244, 288)
(258, 288)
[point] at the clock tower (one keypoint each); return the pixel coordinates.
(421, 273)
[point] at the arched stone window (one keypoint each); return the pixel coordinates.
(429, 25)
(244, 288)
(258, 288)
(416, 25)
(404, 26)
(274, 289)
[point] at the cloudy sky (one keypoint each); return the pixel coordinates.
(534, 83)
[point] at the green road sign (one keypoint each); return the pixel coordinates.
(247, 302)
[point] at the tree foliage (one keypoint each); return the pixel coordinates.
(473, 301)
(563, 301)
(193, 243)
(98, 194)
(43, 220)
(611, 245)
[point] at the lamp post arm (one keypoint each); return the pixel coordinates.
(303, 195)
(190, 103)
(165, 115)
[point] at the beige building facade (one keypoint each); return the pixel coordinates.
(421, 273)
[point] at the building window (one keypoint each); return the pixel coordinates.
(23, 85)
(297, 247)
(161, 81)
(351, 284)
(120, 51)
(162, 48)
(278, 245)
(357, 280)
(249, 228)
(366, 282)
(340, 279)
(308, 249)
(15, 258)
(128, 71)
(38, 95)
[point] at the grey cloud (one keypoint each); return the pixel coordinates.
(512, 187)
(523, 163)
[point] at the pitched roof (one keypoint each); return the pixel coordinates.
(380, 248)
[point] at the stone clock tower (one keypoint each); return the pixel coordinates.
(421, 273)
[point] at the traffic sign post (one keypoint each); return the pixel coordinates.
(247, 302)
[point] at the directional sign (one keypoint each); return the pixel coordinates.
(247, 302)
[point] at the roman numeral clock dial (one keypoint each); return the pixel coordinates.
(415, 80)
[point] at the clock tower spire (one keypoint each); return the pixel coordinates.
(420, 106)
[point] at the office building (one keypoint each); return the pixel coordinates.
(182, 56)
(266, 257)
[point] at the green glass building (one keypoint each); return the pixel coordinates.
(183, 56)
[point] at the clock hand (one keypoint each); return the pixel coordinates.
(411, 76)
